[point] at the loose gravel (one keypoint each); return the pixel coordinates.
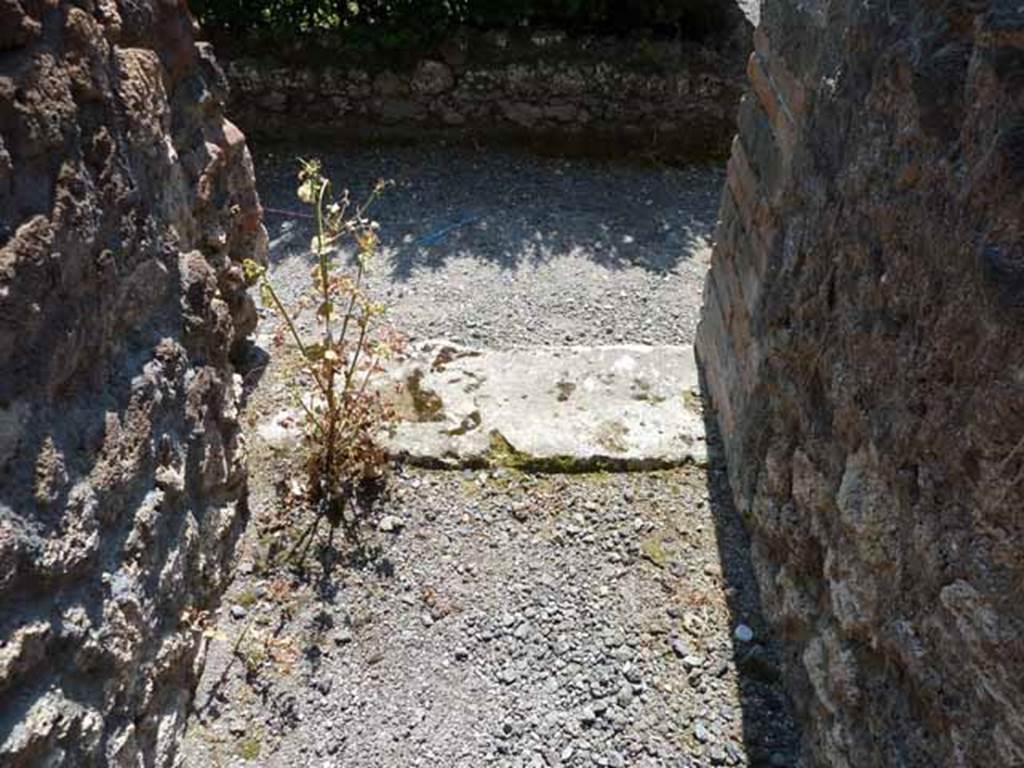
(496, 249)
(496, 618)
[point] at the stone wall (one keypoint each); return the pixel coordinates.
(676, 97)
(126, 205)
(863, 344)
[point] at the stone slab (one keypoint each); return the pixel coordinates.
(551, 408)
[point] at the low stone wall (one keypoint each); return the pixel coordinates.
(675, 98)
(127, 203)
(862, 343)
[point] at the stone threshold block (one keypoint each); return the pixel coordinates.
(556, 409)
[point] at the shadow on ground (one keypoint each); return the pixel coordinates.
(770, 732)
(508, 209)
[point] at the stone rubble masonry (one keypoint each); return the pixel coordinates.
(863, 345)
(576, 92)
(127, 204)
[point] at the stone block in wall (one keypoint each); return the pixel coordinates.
(747, 190)
(432, 78)
(781, 95)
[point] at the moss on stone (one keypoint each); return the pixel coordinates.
(503, 454)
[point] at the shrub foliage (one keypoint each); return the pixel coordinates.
(404, 22)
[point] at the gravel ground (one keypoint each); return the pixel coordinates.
(496, 618)
(548, 251)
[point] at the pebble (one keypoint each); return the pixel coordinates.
(624, 696)
(693, 661)
(238, 612)
(713, 569)
(743, 633)
(343, 636)
(390, 524)
(679, 647)
(700, 732)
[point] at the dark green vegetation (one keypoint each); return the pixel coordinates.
(394, 24)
